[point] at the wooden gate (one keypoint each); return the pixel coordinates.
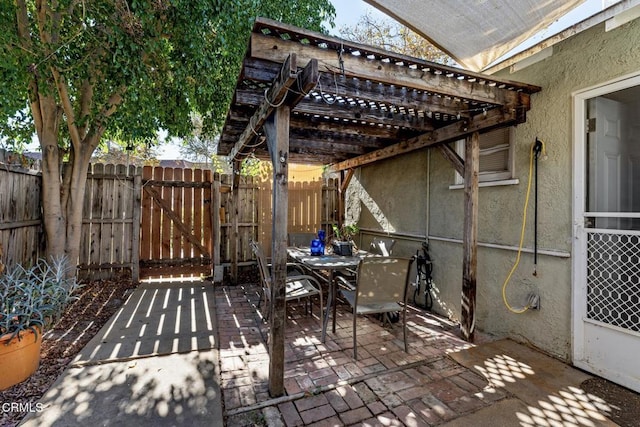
(176, 222)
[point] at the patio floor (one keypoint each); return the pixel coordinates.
(443, 380)
(190, 353)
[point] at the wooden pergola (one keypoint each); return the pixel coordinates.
(306, 97)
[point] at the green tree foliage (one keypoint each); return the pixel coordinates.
(75, 71)
(390, 35)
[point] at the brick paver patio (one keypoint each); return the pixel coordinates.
(325, 386)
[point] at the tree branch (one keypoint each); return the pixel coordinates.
(65, 99)
(86, 99)
(24, 36)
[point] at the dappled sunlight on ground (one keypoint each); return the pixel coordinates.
(502, 369)
(570, 407)
(547, 391)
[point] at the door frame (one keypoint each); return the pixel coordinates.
(579, 259)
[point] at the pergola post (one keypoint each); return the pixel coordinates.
(277, 132)
(470, 236)
(235, 197)
(215, 226)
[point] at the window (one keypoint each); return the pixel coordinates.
(496, 156)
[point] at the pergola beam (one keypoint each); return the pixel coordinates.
(289, 87)
(449, 133)
(453, 157)
(273, 96)
(275, 49)
(346, 111)
(367, 90)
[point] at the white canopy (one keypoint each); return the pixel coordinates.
(475, 32)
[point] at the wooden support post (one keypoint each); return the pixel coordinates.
(470, 236)
(215, 226)
(137, 211)
(277, 131)
(235, 188)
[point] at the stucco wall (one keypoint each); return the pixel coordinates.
(391, 197)
(400, 186)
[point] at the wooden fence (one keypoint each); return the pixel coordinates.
(111, 222)
(157, 221)
(313, 205)
(21, 231)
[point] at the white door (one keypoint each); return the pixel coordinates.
(606, 285)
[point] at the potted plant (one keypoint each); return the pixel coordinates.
(342, 242)
(31, 299)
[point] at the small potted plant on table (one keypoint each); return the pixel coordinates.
(30, 300)
(342, 243)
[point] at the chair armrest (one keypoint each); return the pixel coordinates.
(314, 282)
(344, 283)
(289, 264)
(293, 267)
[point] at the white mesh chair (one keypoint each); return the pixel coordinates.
(381, 287)
(298, 286)
(382, 247)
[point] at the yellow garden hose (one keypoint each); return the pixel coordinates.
(524, 223)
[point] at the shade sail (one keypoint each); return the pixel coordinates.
(476, 32)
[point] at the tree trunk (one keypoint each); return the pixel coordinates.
(53, 216)
(73, 200)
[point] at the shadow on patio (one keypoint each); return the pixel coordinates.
(438, 382)
(156, 363)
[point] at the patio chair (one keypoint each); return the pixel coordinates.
(377, 247)
(298, 285)
(382, 247)
(381, 287)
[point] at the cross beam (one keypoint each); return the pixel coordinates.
(455, 131)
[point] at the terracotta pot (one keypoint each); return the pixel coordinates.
(19, 358)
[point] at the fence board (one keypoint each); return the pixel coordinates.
(106, 227)
(167, 194)
(187, 216)
(156, 224)
(145, 220)
(198, 226)
(207, 226)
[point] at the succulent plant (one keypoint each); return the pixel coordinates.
(34, 298)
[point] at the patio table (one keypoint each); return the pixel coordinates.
(329, 263)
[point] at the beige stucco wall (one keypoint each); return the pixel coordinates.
(400, 187)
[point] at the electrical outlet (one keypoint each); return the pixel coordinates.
(533, 301)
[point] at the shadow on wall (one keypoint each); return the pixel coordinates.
(359, 197)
